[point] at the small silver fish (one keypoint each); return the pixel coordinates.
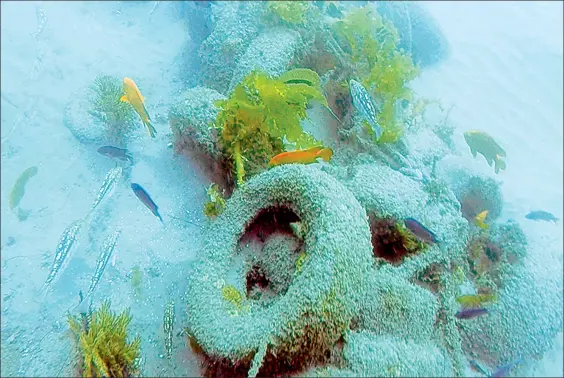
(108, 185)
(107, 249)
(168, 325)
(363, 104)
(41, 21)
(62, 254)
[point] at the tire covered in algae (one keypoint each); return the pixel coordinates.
(302, 325)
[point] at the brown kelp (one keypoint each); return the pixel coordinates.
(101, 340)
(262, 118)
(370, 44)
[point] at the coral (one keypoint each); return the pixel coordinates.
(261, 115)
(437, 189)
(392, 306)
(101, 338)
(479, 194)
(216, 203)
(525, 318)
(273, 268)
(431, 278)
(492, 252)
(117, 116)
(271, 52)
(391, 240)
(235, 24)
(191, 119)
(300, 326)
(370, 355)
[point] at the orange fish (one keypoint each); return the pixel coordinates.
(302, 156)
(136, 99)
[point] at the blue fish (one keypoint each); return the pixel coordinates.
(422, 232)
(470, 313)
(502, 371)
(541, 215)
(363, 104)
(146, 199)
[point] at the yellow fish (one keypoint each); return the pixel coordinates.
(302, 156)
(479, 220)
(480, 142)
(136, 99)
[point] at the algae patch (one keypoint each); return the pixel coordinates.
(18, 191)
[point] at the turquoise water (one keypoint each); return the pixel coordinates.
(502, 74)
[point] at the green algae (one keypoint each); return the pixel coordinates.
(18, 190)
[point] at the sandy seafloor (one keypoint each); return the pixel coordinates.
(504, 76)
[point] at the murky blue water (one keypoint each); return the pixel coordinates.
(503, 75)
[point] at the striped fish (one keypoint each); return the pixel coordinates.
(363, 104)
(108, 185)
(168, 325)
(62, 255)
(102, 261)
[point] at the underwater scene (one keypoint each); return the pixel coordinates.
(281, 188)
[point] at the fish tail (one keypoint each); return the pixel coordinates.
(43, 291)
(129, 157)
(152, 131)
(325, 154)
(161, 218)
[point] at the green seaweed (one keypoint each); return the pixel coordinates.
(371, 45)
(232, 295)
(101, 340)
(117, 116)
(262, 117)
(136, 277)
(216, 203)
(292, 12)
(475, 300)
(18, 190)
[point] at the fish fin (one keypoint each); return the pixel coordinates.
(145, 109)
(325, 154)
(499, 164)
(490, 161)
(83, 306)
(376, 129)
(161, 218)
(124, 99)
(152, 131)
(473, 151)
(129, 157)
(43, 291)
(332, 113)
